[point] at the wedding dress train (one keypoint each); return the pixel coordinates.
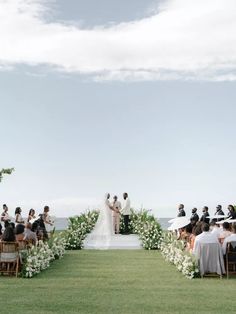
(101, 236)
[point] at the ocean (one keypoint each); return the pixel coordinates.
(62, 223)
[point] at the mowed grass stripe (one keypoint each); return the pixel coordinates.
(115, 282)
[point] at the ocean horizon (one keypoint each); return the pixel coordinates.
(62, 223)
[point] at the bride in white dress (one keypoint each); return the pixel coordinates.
(101, 236)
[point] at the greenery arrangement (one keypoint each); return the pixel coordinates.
(78, 228)
(37, 258)
(142, 223)
(147, 227)
(5, 171)
(174, 251)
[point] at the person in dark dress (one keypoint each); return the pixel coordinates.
(205, 215)
(181, 211)
(194, 218)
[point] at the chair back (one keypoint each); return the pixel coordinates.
(8, 247)
(231, 252)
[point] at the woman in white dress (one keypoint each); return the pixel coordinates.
(100, 237)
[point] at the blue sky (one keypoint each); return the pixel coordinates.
(72, 137)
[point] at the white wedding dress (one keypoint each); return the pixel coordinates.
(101, 236)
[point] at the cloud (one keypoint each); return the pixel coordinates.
(183, 39)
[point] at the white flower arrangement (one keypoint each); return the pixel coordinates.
(174, 252)
(38, 258)
(78, 228)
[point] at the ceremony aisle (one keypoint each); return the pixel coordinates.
(115, 281)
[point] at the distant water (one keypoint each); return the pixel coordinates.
(62, 223)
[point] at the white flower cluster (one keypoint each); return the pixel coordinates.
(174, 252)
(38, 258)
(78, 228)
(148, 229)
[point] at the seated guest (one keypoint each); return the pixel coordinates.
(9, 235)
(215, 228)
(19, 232)
(225, 233)
(196, 231)
(181, 211)
(29, 235)
(231, 238)
(194, 218)
(205, 237)
(232, 212)
(18, 217)
(185, 233)
(31, 215)
(0, 231)
(205, 215)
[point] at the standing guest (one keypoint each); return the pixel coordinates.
(219, 210)
(116, 214)
(215, 228)
(126, 211)
(9, 235)
(231, 238)
(181, 211)
(205, 237)
(18, 217)
(205, 215)
(29, 235)
(31, 215)
(232, 212)
(194, 218)
(19, 232)
(46, 218)
(5, 217)
(225, 233)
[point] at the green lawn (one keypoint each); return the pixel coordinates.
(115, 282)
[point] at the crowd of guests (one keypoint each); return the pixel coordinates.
(31, 229)
(205, 229)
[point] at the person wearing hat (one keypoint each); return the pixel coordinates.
(194, 218)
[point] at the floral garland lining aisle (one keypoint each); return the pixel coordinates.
(38, 258)
(174, 251)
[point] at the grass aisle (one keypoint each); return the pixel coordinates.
(115, 282)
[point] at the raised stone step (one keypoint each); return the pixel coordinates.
(118, 242)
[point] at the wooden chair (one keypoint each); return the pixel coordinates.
(9, 258)
(230, 259)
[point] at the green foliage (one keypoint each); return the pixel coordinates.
(79, 227)
(5, 171)
(147, 227)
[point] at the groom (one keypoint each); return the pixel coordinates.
(126, 211)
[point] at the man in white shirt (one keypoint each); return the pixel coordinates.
(231, 238)
(205, 237)
(215, 228)
(126, 211)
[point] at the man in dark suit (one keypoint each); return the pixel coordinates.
(181, 211)
(205, 215)
(194, 218)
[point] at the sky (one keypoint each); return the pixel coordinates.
(134, 97)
